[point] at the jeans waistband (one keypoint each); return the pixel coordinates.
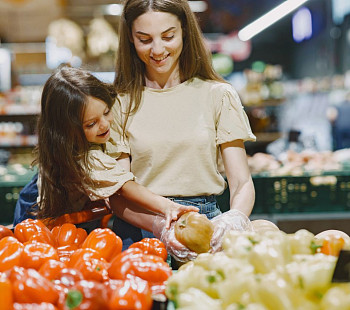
(207, 204)
(196, 199)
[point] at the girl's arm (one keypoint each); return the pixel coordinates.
(144, 198)
(242, 192)
(146, 220)
(132, 213)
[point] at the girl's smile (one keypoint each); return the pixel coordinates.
(97, 121)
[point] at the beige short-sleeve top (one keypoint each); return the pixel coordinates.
(173, 139)
(107, 176)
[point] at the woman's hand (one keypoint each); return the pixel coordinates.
(173, 246)
(230, 220)
(175, 210)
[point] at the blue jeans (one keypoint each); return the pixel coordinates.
(129, 234)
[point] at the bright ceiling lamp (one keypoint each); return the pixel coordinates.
(269, 18)
(198, 6)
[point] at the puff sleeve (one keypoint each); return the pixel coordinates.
(118, 142)
(232, 121)
(108, 176)
(116, 145)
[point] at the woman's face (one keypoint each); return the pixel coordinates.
(157, 37)
(97, 121)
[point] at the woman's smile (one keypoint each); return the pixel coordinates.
(158, 59)
(159, 47)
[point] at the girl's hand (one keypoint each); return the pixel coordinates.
(175, 210)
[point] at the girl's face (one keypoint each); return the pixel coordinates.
(157, 37)
(97, 121)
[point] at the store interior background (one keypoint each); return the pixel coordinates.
(290, 90)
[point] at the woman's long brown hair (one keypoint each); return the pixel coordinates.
(61, 153)
(195, 60)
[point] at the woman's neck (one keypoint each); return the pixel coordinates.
(162, 81)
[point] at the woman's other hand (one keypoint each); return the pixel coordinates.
(230, 220)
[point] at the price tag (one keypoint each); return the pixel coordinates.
(342, 267)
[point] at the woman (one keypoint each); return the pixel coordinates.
(178, 114)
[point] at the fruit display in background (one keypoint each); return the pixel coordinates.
(194, 230)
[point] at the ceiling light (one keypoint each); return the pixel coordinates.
(113, 9)
(198, 6)
(269, 18)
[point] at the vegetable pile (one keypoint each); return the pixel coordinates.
(264, 271)
(66, 268)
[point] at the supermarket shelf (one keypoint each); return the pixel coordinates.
(18, 110)
(18, 141)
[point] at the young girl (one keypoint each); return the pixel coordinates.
(74, 128)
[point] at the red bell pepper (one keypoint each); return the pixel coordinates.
(10, 253)
(5, 231)
(87, 295)
(32, 287)
(131, 293)
(150, 268)
(35, 254)
(51, 269)
(105, 241)
(151, 246)
(33, 229)
(5, 293)
(82, 254)
(68, 277)
(68, 234)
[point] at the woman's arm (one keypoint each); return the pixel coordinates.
(242, 192)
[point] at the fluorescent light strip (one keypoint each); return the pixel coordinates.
(268, 19)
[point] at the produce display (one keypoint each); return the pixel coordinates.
(66, 268)
(264, 271)
(297, 164)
